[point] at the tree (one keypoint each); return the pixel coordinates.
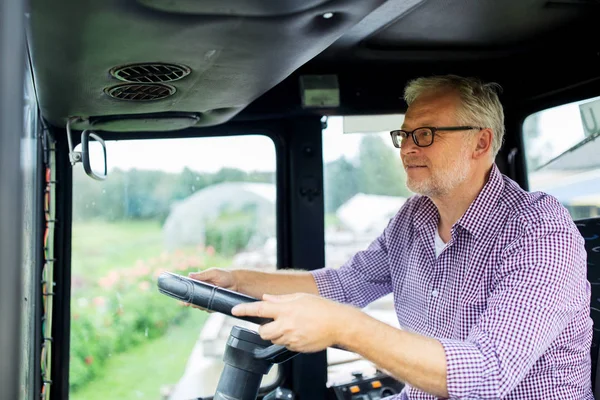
(341, 183)
(380, 169)
(189, 182)
(229, 175)
(143, 194)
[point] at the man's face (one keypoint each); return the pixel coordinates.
(439, 169)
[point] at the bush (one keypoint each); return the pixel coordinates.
(126, 310)
(231, 232)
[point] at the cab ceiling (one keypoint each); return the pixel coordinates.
(239, 51)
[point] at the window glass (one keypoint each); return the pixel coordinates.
(30, 170)
(178, 205)
(364, 186)
(561, 150)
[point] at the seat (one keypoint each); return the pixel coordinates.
(590, 230)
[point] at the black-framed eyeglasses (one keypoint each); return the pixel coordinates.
(424, 135)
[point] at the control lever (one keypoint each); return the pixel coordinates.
(247, 356)
(215, 298)
(205, 295)
(247, 359)
(274, 354)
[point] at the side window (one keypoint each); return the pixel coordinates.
(178, 205)
(30, 173)
(561, 149)
(364, 186)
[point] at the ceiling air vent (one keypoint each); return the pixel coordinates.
(140, 92)
(150, 72)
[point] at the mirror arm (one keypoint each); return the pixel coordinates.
(84, 155)
(74, 156)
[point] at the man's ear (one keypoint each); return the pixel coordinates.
(484, 139)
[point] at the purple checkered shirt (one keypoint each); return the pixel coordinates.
(508, 298)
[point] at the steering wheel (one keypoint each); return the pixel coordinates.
(247, 357)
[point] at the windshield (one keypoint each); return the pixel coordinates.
(561, 148)
(178, 205)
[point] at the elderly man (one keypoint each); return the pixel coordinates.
(489, 280)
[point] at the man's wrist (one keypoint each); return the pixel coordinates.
(235, 277)
(348, 327)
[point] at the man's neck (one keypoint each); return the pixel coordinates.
(453, 206)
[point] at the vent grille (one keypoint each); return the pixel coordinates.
(150, 72)
(137, 92)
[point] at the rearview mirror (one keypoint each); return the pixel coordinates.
(93, 154)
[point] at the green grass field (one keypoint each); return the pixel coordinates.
(99, 248)
(140, 373)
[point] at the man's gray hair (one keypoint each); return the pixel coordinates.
(480, 103)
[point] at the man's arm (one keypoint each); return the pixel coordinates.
(363, 279)
(306, 323)
(542, 287)
(257, 283)
(417, 360)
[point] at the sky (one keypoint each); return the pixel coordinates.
(248, 153)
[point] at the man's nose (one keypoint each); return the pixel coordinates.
(409, 147)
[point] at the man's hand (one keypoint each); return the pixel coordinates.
(302, 322)
(308, 323)
(214, 276)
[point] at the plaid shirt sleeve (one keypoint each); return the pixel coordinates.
(360, 281)
(540, 286)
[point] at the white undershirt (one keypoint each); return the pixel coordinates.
(439, 243)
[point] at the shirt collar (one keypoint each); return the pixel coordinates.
(473, 220)
(426, 213)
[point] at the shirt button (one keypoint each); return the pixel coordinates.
(434, 293)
